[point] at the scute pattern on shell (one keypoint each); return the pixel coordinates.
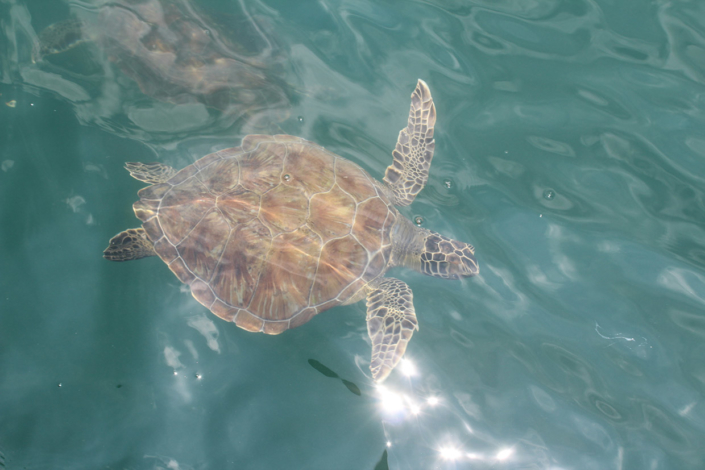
(271, 233)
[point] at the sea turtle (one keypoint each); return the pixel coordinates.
(275, 231)
(176, 54)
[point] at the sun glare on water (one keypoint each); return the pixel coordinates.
(399, 407)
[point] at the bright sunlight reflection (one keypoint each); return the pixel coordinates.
(391, 402)
(394, 403)
(452, 452)
(399, 406)
(407, 368)
(504, 454)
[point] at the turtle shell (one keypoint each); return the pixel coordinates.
(175, 54)
(271, 233)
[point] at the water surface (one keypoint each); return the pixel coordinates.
(569, 150)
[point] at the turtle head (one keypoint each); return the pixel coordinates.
(446, 258)
(431, 253)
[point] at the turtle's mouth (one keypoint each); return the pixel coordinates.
(465, 266)
(457, 277)
(453, 266)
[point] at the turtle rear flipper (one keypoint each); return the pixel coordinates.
(152, 173)
(391, 320)
(407, 175)
(128, 245)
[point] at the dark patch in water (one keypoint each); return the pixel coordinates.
(323, 369)
(329, 373)
(382, 464)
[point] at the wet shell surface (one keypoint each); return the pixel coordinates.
(271, 233)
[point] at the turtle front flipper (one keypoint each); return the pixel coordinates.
(152, 173)
(391, 320)
(128, 245)
(408, 174)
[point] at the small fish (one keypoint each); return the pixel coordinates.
(329, 373)
(323, 369)
(352, 387)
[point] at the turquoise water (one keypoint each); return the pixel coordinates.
(570, 150)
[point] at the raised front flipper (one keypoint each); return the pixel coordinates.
(128, 245)
(152, 173)
(408, 174)
(391, 321)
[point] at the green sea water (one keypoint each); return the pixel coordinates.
(570, 150)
